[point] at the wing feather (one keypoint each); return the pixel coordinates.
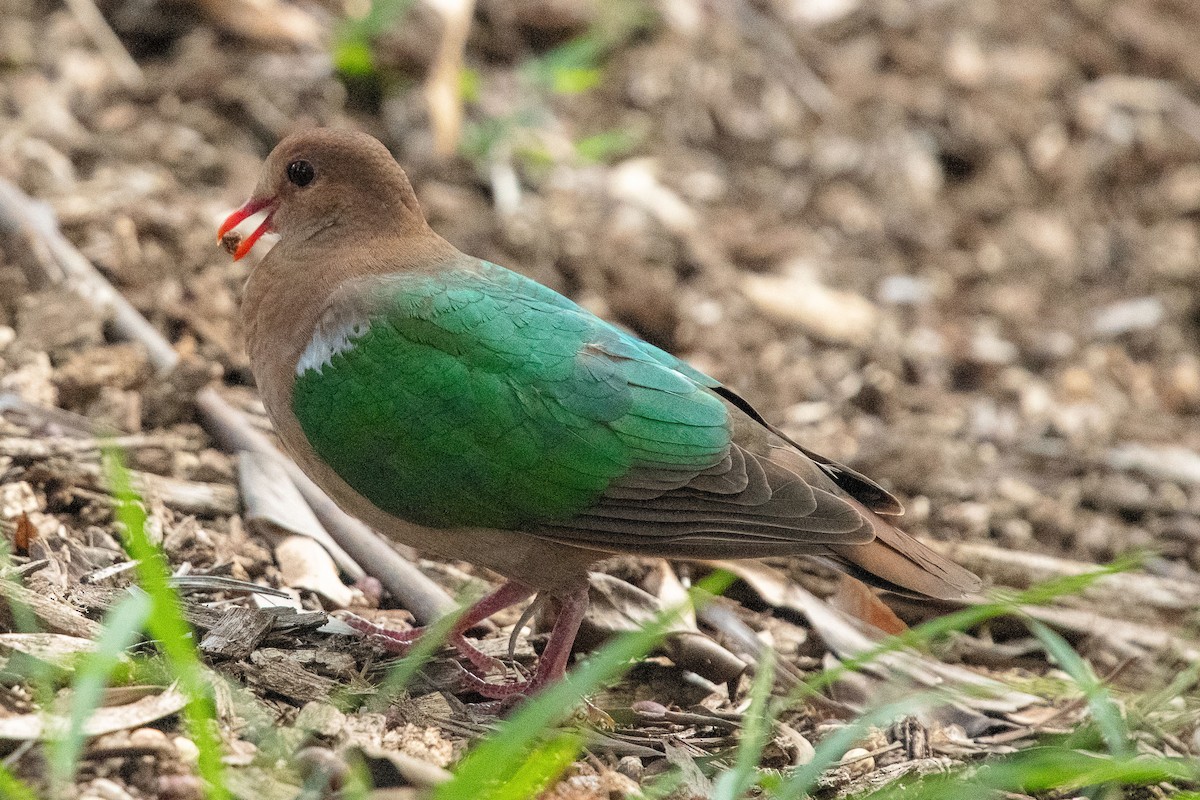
(499, 403)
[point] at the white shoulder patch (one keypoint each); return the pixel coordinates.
(334, 334)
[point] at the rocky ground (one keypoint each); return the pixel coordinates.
(953, 244)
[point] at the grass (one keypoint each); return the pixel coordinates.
(532, 749)
(166, 624)
(923, 636)
(354, 39)
(122, 628)
(755, 733)
(400, 675)
(528, 751)
(153, 608)
(1043, 770)
(572, 68)
(13, 788)
(526, 747)
(523, 133)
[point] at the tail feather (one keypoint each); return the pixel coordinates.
(899, 563)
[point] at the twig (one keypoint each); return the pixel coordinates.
(54, 616)
(441, 88)
(1118, 632)
(805, 83)
(25, 448)
(357, 544)
(847, 638)
(34, 417)
(1134, 595)
(187, 497)
(21, 213)
(94, 24)
(723, 619)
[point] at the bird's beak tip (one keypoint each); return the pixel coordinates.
(247, 209)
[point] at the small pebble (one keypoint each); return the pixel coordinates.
(858, 761)
(798, 299)
(148, 738)
(188, 752)
(180, 787)
(1139, 314)
(322, 765)
(904, 290)
(631, 767)
(105, 789)
(802, 750)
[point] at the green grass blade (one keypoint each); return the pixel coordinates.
(353, 49)
(606, 146)
(660, 787)
(541, 768)
(1056, 770)
(922, 635)
(13, 788)
(1106, 713)
(1047, 769)
(168, 626)
(497, 758)
(422, 650)
(122, 627)
(756, 728)
(833, 747)
(495, 761)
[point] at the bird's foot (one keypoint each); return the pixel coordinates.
(550, 666)
(479, 659)
(401, 642)
(501, 697)
(390, 639)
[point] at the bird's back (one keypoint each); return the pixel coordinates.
(474, 397)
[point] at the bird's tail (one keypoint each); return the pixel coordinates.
(899, 563)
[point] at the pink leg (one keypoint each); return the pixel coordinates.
(553, 663)
(399, 641)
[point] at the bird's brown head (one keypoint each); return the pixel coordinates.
(324, 179)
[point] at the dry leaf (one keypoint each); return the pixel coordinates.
(24, 534)
(855, 598)
(276, 507)
(42, 726)
(304, 564)
(848, 639)
(616, 606)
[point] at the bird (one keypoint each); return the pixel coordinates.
(470, 412)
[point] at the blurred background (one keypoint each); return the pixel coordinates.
(951, 243)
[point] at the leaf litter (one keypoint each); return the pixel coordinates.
(1018, 367)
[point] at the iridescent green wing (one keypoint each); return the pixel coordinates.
(476, 397)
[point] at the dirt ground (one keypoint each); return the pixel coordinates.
(952, 244)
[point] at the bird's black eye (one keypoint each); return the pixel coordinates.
(301, 173)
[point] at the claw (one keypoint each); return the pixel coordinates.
(550, 666)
